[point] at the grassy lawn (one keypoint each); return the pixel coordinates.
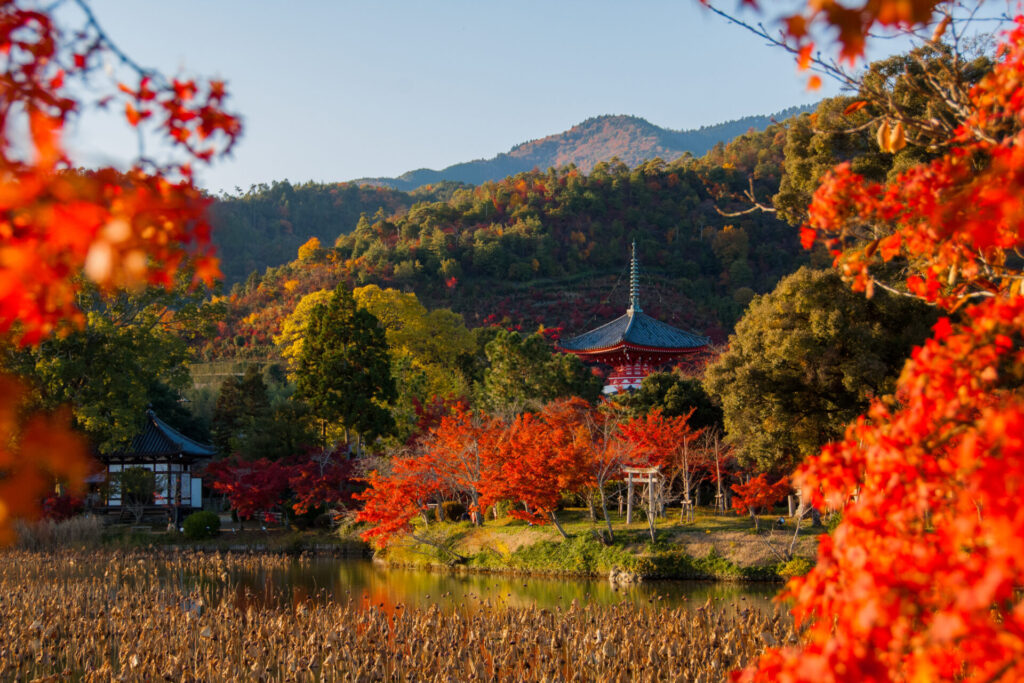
(727, 545)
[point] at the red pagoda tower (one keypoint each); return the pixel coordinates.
(634, 344)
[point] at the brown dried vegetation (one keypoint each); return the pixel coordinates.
(101, 616)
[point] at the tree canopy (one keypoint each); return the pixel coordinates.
(344, 370)
(805, 360)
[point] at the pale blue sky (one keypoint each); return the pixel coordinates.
(332, 91)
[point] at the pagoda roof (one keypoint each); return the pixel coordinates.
(160, 439)
(635, 328)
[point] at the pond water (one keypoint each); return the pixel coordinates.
(385, 588)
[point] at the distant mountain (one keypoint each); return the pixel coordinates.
(630, 138)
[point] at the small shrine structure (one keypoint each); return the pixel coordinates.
(170, 455)
(634, 344)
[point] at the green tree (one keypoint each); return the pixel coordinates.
(524, 373)
(131, 350)
(344, 369)
(675, 395)
(805, 360)
(243, 407)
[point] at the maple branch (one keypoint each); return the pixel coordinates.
(756, 205)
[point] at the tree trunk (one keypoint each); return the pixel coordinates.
(590, 507)
(607, 518)
(554, 520)
(651, 510)
(629, 501)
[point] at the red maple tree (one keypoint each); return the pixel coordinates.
(757, 495)
(253, 487)
(671, 444)
(921, 579)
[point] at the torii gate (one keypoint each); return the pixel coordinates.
(651, 476)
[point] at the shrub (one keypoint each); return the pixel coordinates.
(60, 508)
(137, 486)
(203, 524)
(450, 511)
(798, 566)
(833, 520)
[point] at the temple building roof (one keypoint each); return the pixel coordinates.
(635, 328)
(160, 439)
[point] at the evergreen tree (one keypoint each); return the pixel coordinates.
(524, 374)
(344, 370)
(242, 407)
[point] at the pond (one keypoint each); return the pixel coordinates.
(363, 581)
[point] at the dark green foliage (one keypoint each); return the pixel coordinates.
(675, 395)
(450, 511)
(344, 371)
(137, 486)
(169, 406)
(524, 373)
(805, 360)
(131, 352)
(265, 225)
(202, 524)
(242, 407)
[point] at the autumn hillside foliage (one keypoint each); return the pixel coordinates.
(922, 579)
(547, 248)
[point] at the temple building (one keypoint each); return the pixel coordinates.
(635, 344)
(171, 456)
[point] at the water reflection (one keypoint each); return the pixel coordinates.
(365, 582)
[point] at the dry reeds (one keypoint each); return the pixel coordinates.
(96, 616)
(46, 534)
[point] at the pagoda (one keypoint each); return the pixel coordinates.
(634, 344)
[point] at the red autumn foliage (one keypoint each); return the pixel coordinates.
(64, 506)
(119, 229)
(35, 450)
(670, 443)
(320, 480)
(921, 579)
(544, 455)
(461, 452)
(252, 487)
(481, 460)
(757, 495)
(429, 414)
(304, 483)
(390, 502)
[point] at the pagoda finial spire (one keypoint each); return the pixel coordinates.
(634, 283)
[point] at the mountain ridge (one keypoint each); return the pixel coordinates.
(632, 139)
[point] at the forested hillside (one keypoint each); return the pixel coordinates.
(550, 248)
(630, 138)
(265, 225)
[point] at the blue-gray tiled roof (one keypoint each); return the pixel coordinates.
(635, 328)
(159, 438)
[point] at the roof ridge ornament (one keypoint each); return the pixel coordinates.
(634, 284)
